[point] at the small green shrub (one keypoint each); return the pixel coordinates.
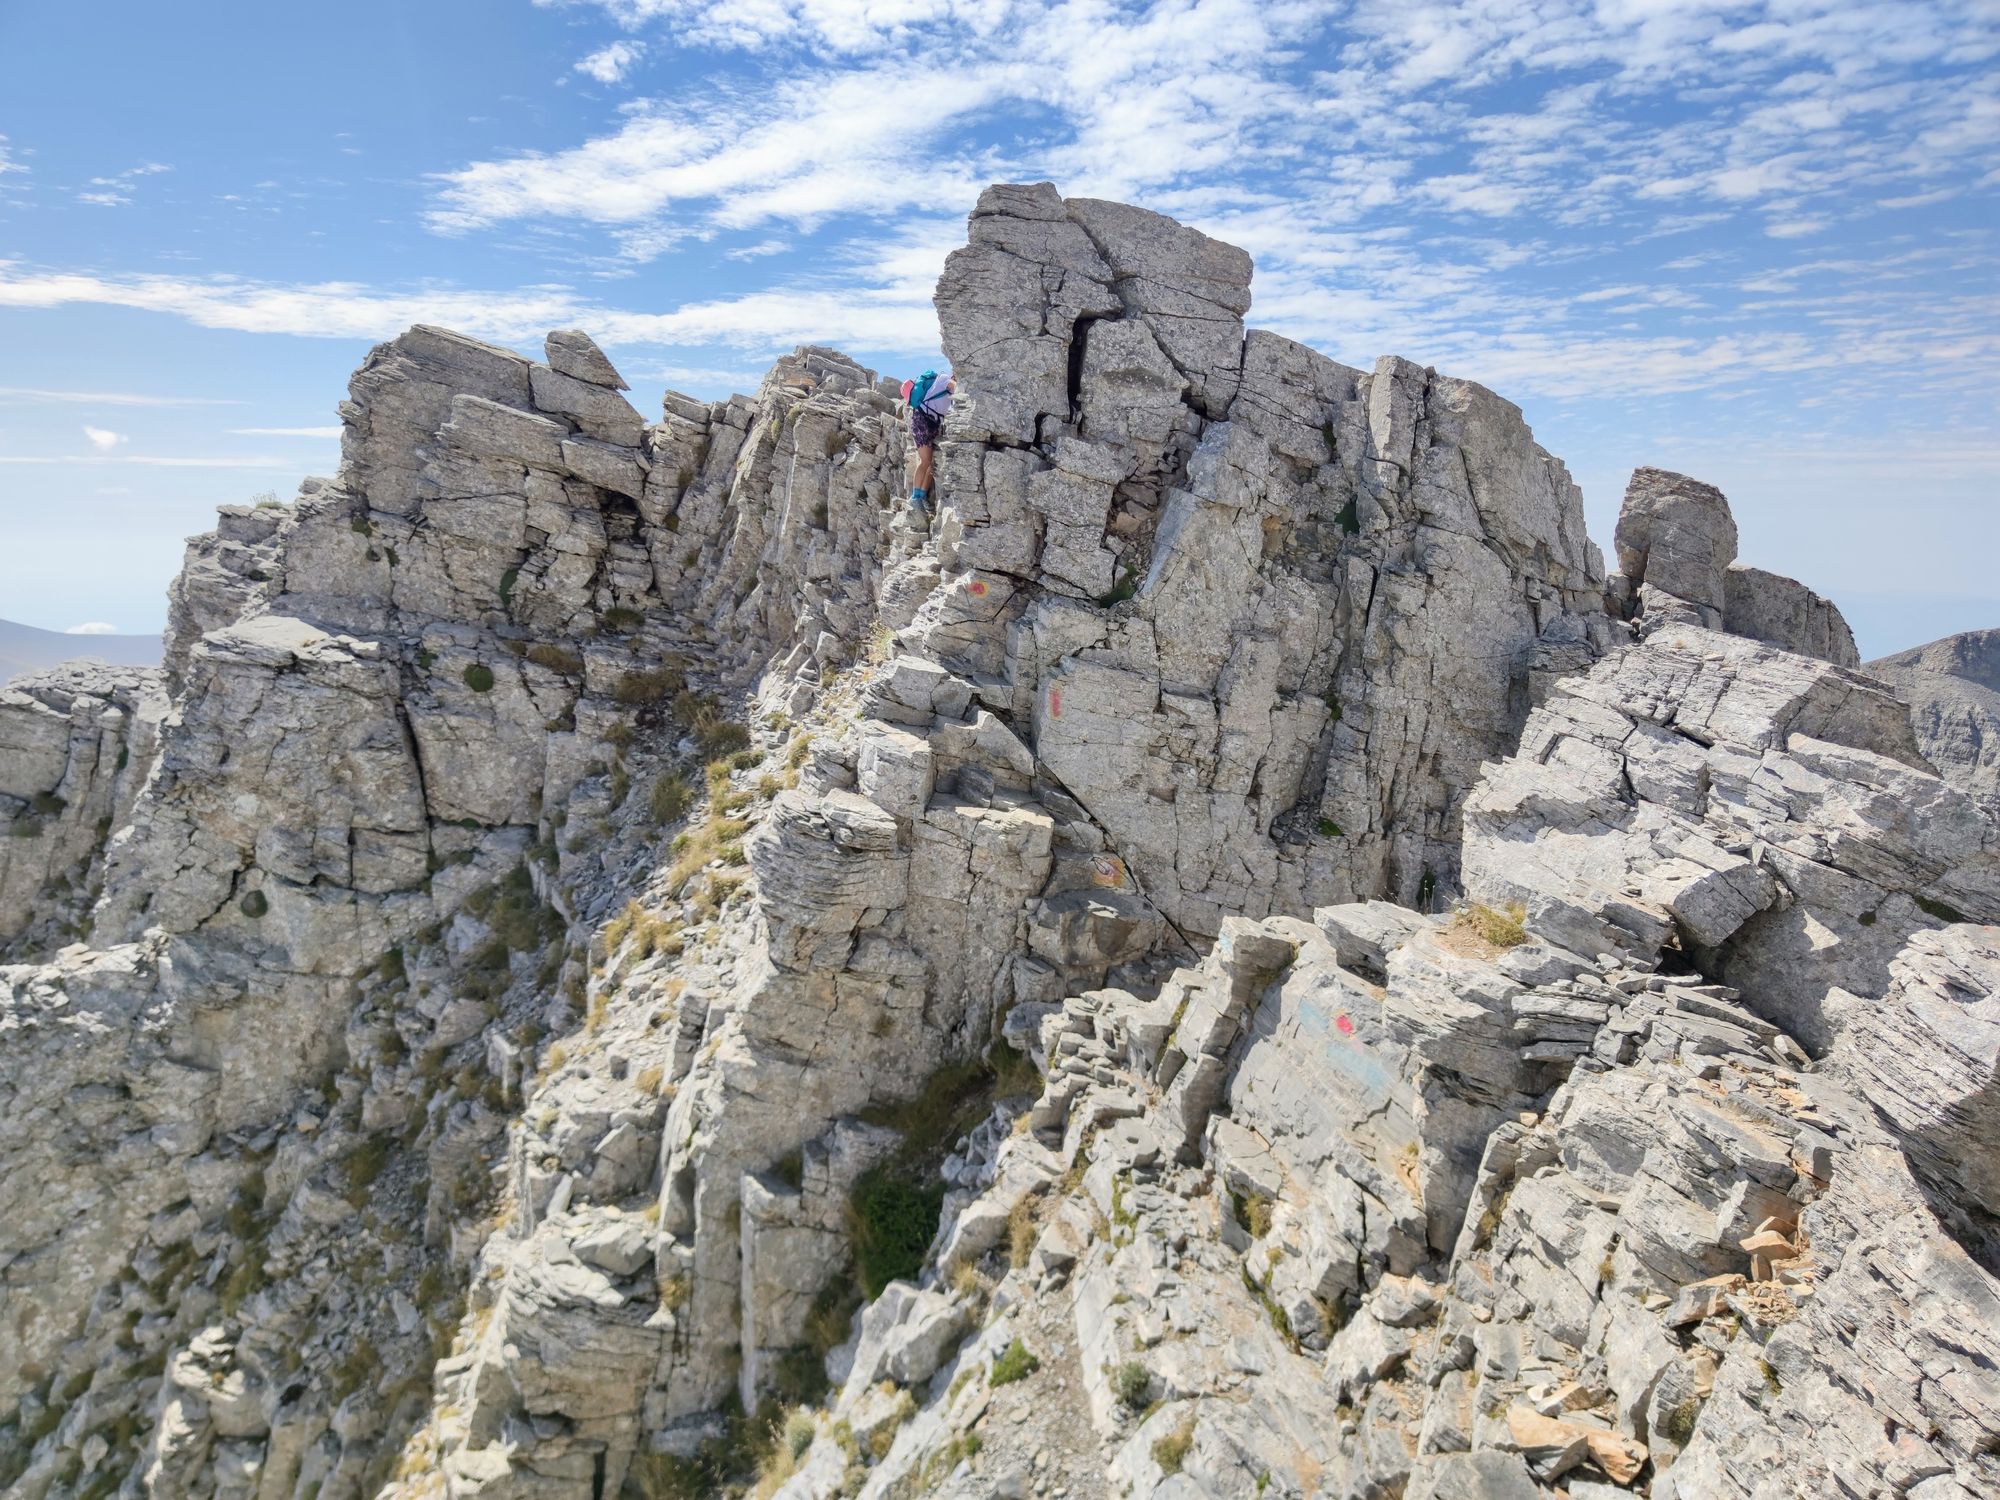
(622, 620)
(893, 1218)
(1128, 585)
(507, 581)
(479, 677)
(1016, 1362)
(1679, 1423)
(362, 1363)
(254, 904)
(1328, 829)
(1132, 1382)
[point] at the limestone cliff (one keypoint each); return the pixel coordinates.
(1239, 961)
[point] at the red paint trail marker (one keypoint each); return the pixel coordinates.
(1345, 1024)
(1055, 703)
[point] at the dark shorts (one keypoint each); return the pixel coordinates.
(924, 428)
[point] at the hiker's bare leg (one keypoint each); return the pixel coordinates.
(926, 462)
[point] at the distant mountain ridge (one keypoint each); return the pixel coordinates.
(25, 648)
(1953, 689)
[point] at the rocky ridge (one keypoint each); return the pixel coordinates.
(592, 879)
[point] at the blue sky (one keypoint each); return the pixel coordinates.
(1752, 241)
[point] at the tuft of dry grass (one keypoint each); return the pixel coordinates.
(1171, 1451)
(1256, 1215)
(1497, 929)
(1021, 1233)
(555, 658)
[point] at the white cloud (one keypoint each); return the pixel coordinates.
(875, 316)
(148, 461)
(116, 190)
(16, 393)
(92, 627)
(103, 439)
(1793, 229)
(295, 432)
(611, 64)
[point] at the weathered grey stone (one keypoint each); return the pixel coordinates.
(616, 469)
(601, 413)
(1928, 1054)
(1676, 535)
(1784, 612)
(574, 353)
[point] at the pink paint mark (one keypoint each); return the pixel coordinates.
(977, 588)
(1345, 1024)
(1055, 703)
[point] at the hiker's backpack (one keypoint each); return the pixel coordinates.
(919, 389)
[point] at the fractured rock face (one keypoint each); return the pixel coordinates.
(1337, 581)
(1953, 689)
(1732, 799)
(76, 745)
(1928, 1055)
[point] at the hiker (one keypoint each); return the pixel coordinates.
(930, 398)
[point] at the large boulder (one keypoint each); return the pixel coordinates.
(1676, 538)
